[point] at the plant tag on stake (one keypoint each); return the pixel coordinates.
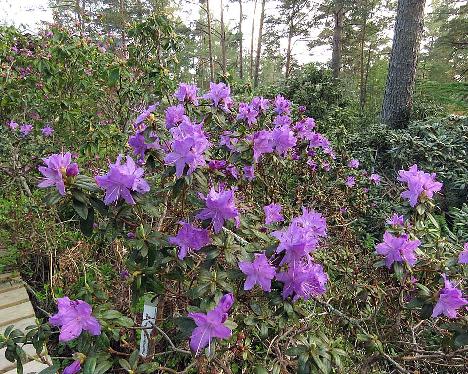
(148, 320)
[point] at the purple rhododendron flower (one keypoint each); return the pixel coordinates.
(282, 106)
(74, 317)
(283, 139)
(188, 147)
(353, 164)
(463, 256)
(304, 128)
(282, 120)
(231, 170)
(397, 249)
(73, 368)
(189, 238)
(219, 207)
(375, 178)
(247, 113)
(249, 172)
(273, 213)
(121, 179)
(211, 325)
(450, 299)
(174, 115)
(312, 164)
(350, 181)
(260, 104)
(47, 131)
(301, 109)
(26, 129)
(139, 145)
(227, 140)
(187, 93)
(303, 280)
(57, 167)
(262, 143)
(258, 272)
(219, 94)
(419, 183)
(145, 114)
(217, 164)
(13, 125)
(395, 220)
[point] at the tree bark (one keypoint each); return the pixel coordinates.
(259, 44)
(241, 61)
(362, 89)
(122, 27)
(210, 46)
(223, 40)
(252, 42)
(288, 52)
(398, 99)
(338, 15)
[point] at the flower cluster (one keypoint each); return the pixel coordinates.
(398, 249)
(57, 170)
(419, 183)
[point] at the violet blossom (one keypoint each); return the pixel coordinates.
(121, 180)
(219, 207)
(217, 164)
(26, 129)
(174, 115)
(463, 256)
(350, 181)
(73, 368)
(13, 125)
(273, 213)
(189, 238)
(211, 325)
(139, 145)
(249, 172)
(282, 120)
(258, 272)
(219, 94)
(282, 106)
(145, 114)
(419, 183)
(260, 104)
(74, 317)
(395, 220)
(47, 131)
(353, 163)
(283, 139)
(247, 113)
(450, 299)
(304, 128)
(375, 178)
(262, 143)
(187, 93)
(397, 249)
(58, 167)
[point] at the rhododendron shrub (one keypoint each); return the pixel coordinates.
(235, 219)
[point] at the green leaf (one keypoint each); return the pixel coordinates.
(52, 198)
(103, 367)
(86, 183)
(86, 225)
(260, 370)
(125, 364)
(80, 208)
(90, 365)
(426, 311)
(50, 370)
(461, 340)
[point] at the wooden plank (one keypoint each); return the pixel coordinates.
(8, 286)
(9, 316)
(6, 365)
(32, 367)
(21, 325)
(13, 297)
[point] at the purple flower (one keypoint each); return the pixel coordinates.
(226, 140)
(273, 213)
(397, 249)
(258, 272)
(283, 139)
(73, 368)
(58, 167)
(211, 325)
(450, 299)
(189, 238)
(260, 104)
(26, 129)
(303, 280)
(463, 256)
(375, 178)
(139, 145)
(353, 164)
(395, 220)
(419, 184)
(249, 172)
(217, 164)
(350, 181)
(282, 120)
(174, 115)
(301, 109)
(219, 94)
(187, 93)
(13, 125)
(145, 114)
(219, 207)
(304, 128)
(312, 164)
(232, 171)
(247, 113)
(47, 130)
(262, 143)
(74, 317)
(121, 179)
(282, 106)
(124, 274)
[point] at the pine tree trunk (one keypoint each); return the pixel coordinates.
(398, 99)
(259, 44)
(241, 61)
(210, 45)
(288, 52)
(252, 42)
(223, 40)
(361, 62)
(337, 31)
